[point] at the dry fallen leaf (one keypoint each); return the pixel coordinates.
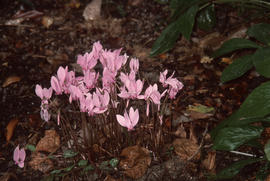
(210, 162)
(41, 162)
(47, 21)
(50, 142)
(206, 59)
(11, 80)
(186, 149)
(226, 60)
(10, 128)
(136, 162)
(92, 10)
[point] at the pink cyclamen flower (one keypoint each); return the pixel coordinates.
(44, 93)
(151, 94)
(128, 120)
(174, 84)
(134, 64)
(132, 88)
(89, 60)
(19, 156)
(100, 101)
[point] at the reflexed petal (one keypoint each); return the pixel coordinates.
(121, 120)
(16, 154)
(38, 91)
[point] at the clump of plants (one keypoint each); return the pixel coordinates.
(106, 105)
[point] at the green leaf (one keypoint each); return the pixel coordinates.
(261, 32)
(56, 171)
(257, 104)
(254, 109)
(267, 150)
(168, 37)
(263, 172)
(234, 44)
(114, 162)
(206, 18)
(69, 168)
(238, 68)
(230, 138)
(88, 168)
(69, 154)
(261, 61)
(235, 168)
(82, 163)
(30, 147)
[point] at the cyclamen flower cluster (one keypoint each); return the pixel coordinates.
(95, 95)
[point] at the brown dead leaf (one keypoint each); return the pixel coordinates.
(47, 21)
(50, 142)
(186, 149)
(92, 10)
(197, 115)
(180, 132)
(41, 162)
(226, 60)
(268, 178)
(34, 121)
(137, 159)
(11, 80)
(10, 128)
(210, 162)
(192, 135)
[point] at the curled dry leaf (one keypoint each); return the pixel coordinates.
(11, 80)
(186, 149)
(210, 162)
(10, 128)
(226, 60)
(136, 162)
(41, 162)
(50, 142)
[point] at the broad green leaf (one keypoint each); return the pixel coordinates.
(69, 154)
(114, 162)
(206, 18)
(82, 163)
(30, 147)
(257, 104)
(168, 37)
(261, 61)
(263, 172)
(267, 150)
(230, 138)
(261, 32)
(234, 44)
(235, 168)
(238, 68)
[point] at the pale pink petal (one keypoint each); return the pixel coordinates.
(61, 74)
(22, 154)
(21, 164)
(121, 120)
(39, 91)
(16, 154)
(55, 85)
